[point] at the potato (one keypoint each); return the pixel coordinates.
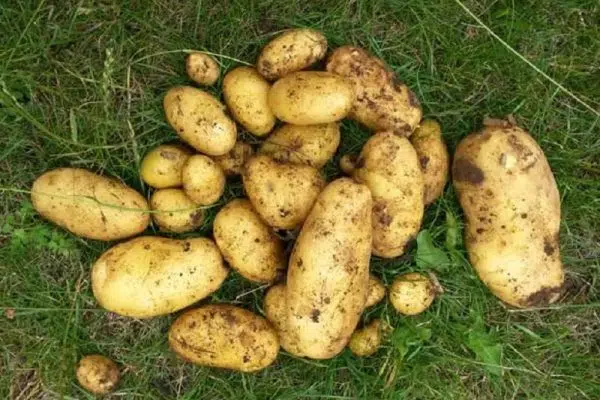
(203, 180)
(312, 145)
(328, 272)
(245, 92)
(150, 276)
(433, 157)
(512, 214)
(281, 193)
(233, 162)
(89, 205)
(275, 307)
(224, 336)
(202, 68)
(291, 51)
(200, 120)
(366, 341)
(348, 163)
(376, 291)
(174, 211)
(389, 166)
(311, 97)
(97, 374)
(247, 243)
(412, 293)
(161, 167)
(382, 102)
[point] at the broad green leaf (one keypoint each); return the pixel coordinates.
(486, 348)
(429, 256)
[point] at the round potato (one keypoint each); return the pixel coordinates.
(376, 291)
(89, 205)
(275, 307)
(150, 276)
(348, 163)
(200, 120)
(224, 336)
(202, 68)
(311, 97)
(366, 341)
(161, 167)
(233, 162)
(203, 180)
(412, 293)
(433, 157)
(291, 51)
(97, 374)
(174, 211)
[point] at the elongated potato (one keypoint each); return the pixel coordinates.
(97, 374)
(224, 336)
(233, 162)
(89, 205)
(275, 307)
(433, 157)
(151, 276)
(328, 272)
(203, 180)
(311, 97)
(366, 341)
(376, 291)
(174, 211)
(202, 68)
(161, 167)
(512, 213)
(412, 293)
(200, 120)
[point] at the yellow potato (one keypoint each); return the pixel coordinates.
(347, 163)
(412, 293)
(89, 205)
(151, 276)
(275, 305)
(224, 336)
(233, 162)
(366, 341)
(200, 120)
(174, 211)
(433, 157)
(161, 167)
(97, 374)
(376, 291)
(203, 180)
(311, 97)
(202, 68)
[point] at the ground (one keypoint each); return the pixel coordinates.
(81, 84)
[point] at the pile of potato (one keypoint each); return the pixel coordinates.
(320, 290)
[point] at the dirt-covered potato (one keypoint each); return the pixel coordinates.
(97, 374)
(89, 205)
(174, 211)
(203, 180)
(202, 68)
(291, 51)
(275, 306)
(150, 275)
(412, 293)
(366, 341)
(313, 145)
(233, 162)
(200, 120)
(512, 214)
(347, 163)
(281, 193)
(376, 291)
(433, 157)
(328, 272)
(311, 97)
(161, 167)
(224, 336)
(383, 103)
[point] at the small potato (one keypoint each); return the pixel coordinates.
(161, 167)
(433, 157)
(200, 120)
(233, 162)
(202, 68)
(245, 92)
(311, 97)
(89, 205)
(366, 341)
(348, 163)
(376, 291)
(275, 306)
(97, 374)
(312, 145)
(203, 180)
(224, 336)
(291, 51)
(174, 211)
(412, 293)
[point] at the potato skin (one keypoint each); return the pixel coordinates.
(200, 120)
(166, 202)
(233, 162)
(89, 205)
(376, 291)
(366, 341)
(97, 374)
(433, 158)
(382, 102)
(161, 167)
(412, 293)
(311, 97)
(203, 180)
(512, 213)
(328, 272)
(291, 51)
(150, 276)
(275, 306)
(202, 68)
(224, 336)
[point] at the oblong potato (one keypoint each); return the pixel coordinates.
(366, 341)
(224, 336)
(412, 293)
(275, 307)
(328, 272)
(202, 68)
(174, 211)
(89, 205)
(151, 276)
(161, 167)
(203, 180)
(433, 157)
(233, 162)
(311, 97)
(98, 374)
(376, 291)
(200, 120)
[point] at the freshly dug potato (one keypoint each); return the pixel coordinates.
(89, 205)
(202, 68)
(275, 307)
(389, 166)
(433, 157)
(347, 163)
(512, 214)
(366, 341)
(233, 162)
(281, 193)
(97, 374)
(200, 120)
(311, 97)
(412, 293)
(203, 180)
(313, 145)
(174, 211)
(328, 272)
(291, 51)
(150, 276)
(382, 102)
(161, 167)
(224, 336)
(376, 291)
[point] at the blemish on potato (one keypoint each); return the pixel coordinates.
(465, 171)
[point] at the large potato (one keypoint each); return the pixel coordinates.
(328, 272)
(200, 120)
(512, 214)
(161, 167)
(174, 211)
(433, 157)
(281, 193)
(98, 374)
(382, 102)
(224, 336)
(233, 162)
(89, 205)
(203, 180)
(202, 68)
(275, 307)
(311, 97)
(150, 276)
(291, 51)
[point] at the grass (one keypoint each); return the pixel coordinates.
(81, 84)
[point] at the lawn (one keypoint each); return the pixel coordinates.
(81, 84)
